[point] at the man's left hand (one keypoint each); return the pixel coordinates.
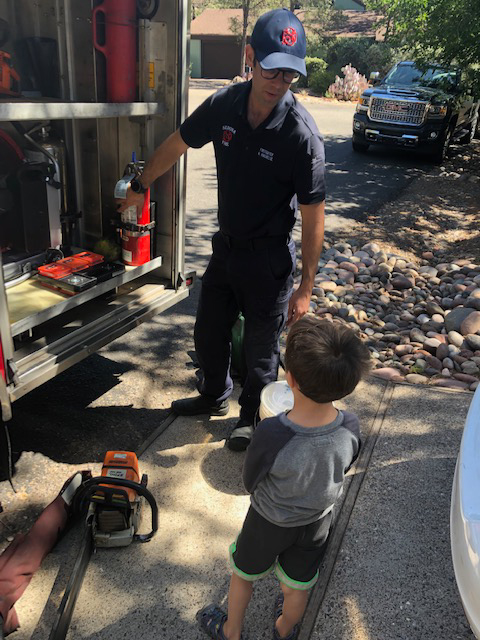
(298, 305)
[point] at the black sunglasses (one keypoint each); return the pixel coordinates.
(288, 76)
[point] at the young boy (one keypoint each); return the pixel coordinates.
(294, 470)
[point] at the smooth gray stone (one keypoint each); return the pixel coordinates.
(454, 319)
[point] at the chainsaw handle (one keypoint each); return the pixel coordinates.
(90, 486)
(146, 537)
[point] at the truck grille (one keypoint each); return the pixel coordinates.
(397, 111)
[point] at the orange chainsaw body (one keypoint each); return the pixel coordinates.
(123, 465)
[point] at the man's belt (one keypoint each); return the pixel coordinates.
(255, 244)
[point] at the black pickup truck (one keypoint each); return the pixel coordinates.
(417, 107)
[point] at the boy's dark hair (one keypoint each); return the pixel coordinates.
(326, 358)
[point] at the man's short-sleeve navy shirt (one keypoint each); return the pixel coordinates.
(260, 171)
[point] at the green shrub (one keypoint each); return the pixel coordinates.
(416, 369)
(379, 57)
(317, 46)
(343, 51)
(301, 84)
(314, 65)
(362, 53)
(319, 81)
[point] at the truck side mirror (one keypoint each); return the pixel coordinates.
(374, 77)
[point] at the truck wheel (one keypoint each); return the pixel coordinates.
(359, 147)
(476, 128)
(441, 152)
(472, 131)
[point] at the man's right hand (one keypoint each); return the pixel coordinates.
(132, 200)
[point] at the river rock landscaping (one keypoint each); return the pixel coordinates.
(421, 322)
(407, 278)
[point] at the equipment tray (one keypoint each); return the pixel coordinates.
(31, 304)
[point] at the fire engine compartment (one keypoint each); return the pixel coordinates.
(69, 122)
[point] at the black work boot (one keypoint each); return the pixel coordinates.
(200, 405)
(241, 435)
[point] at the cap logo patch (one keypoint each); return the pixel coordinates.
(289, 36)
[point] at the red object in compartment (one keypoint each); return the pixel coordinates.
(136, 244)
(74, 263)
(120, 47)
(66, 266)
(55, 270)
(91, 258)
(2, 364)
(135, 247)
(56, 289)
(9, 78)
(144, 217)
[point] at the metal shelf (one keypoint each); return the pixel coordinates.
(30, 304)
(67, 110)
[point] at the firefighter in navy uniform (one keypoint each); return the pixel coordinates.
(269, 156)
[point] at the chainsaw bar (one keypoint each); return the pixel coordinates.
(67, 605)
(86, 496)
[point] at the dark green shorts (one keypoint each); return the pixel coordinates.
(294, 553)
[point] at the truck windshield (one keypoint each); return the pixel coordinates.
(409, 75)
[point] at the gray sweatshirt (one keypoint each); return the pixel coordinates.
(296, 473)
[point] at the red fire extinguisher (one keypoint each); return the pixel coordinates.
(119, 48)
(136, 238)
(136, 223)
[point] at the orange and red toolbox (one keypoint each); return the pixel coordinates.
(77, 273)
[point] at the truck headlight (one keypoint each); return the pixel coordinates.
(437, 110)
(363, 104)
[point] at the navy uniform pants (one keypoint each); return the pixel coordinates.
(256, 278)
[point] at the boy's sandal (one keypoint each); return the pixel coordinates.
(211, 618)
(277, 613)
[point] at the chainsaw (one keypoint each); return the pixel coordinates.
(112, 505)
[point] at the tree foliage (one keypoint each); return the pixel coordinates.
(446, 31)
(319, 16)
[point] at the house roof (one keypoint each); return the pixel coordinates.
(358, 23)
(355, 24)
(217, 22)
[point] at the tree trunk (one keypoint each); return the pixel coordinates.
(246, 10)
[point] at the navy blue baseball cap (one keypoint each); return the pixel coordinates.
(279, 41)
